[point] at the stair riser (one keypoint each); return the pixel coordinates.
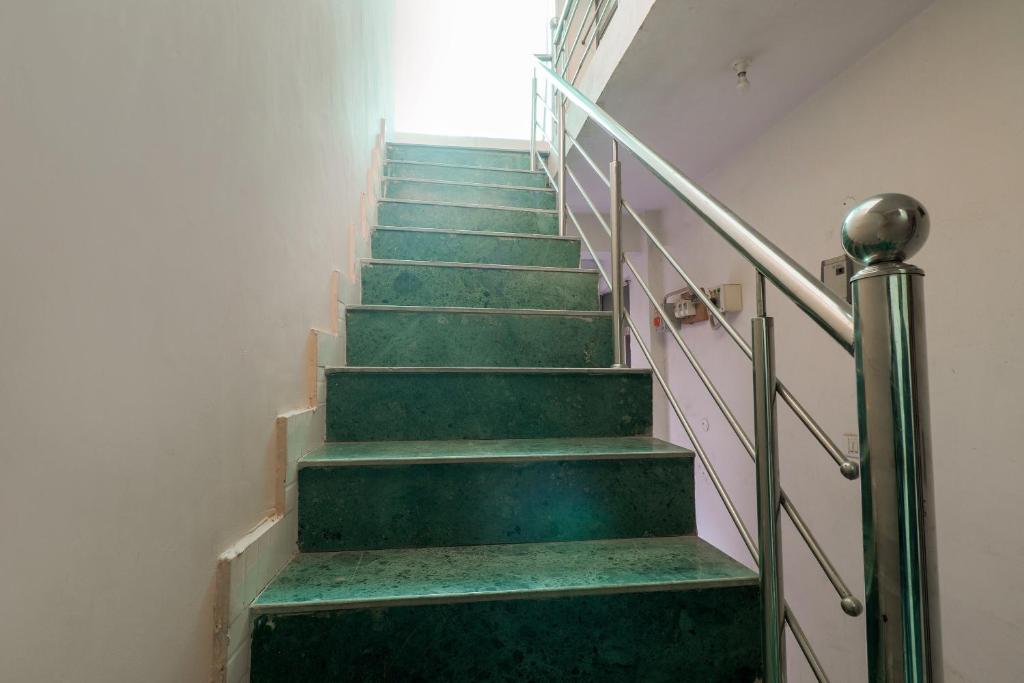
(469, 194)
(466, 218)
(469, 248)
(708, 635)
(389, 406)
(465, 174)
(417, 505)
(422, 285)
(463, 157)
(449, 339)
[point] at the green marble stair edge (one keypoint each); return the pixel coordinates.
(407, 336)
(470, 174)
(469, 246)
(427, 283)
(403, 404)
(343, 454)
(499, 571)
(468, 156)
(466, 193)
(403, 212)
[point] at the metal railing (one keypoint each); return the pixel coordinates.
(576, 28)
(883, 329)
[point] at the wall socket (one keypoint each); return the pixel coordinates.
(852, 445)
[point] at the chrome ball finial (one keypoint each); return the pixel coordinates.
(885, 228)
(849, 470)
(852, 606)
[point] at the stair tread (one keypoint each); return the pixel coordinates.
(467, 205)
(482, 311)
(435, 181)
(488, 370)
(351, 579)
(475, 266)
(496, 450)
(477, 233)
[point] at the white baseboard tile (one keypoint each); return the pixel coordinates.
(245, 569)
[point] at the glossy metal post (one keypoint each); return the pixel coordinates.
(561, 165)
(769, 494)
(901, 590)
(533, 122)
(615, 216)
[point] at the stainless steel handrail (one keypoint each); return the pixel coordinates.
(576, 38)
(790, 619)
(848, 602)
(716, 481)
(563, 21)
(884, 331)
(830, 312)
(846, 467)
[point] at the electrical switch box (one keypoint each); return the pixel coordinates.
(727, 298)
(836, 273)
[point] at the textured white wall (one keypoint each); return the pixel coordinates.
(937, 112)
(179, 179)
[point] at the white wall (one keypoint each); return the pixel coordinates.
(179, 179)
(463, 67)
(937, 112)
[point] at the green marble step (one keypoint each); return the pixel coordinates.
(469, 193)
(478, 285)
(410, 404)
(473, 246)
(398, 494)
(466, 156)
(652, 610)
(465, 174)
(456, 216)
(408, 336)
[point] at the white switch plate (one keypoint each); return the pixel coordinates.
(728, 297)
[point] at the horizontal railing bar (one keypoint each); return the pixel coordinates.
(564, 21)
(544, 103)
(586, 198)
(577, 146)
(847, 468)
(576, 38)
(849, 604)
(589, 246)
(583, 57)
(794, 625)
(824, 307)
(697, 448)
(694, 363)
(805, 646)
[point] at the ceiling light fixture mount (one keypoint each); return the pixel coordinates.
(741, 66)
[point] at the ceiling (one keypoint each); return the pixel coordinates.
(675, 87)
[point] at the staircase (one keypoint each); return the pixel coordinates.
(490, 505)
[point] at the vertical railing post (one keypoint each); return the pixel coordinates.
(533, 122)
(561, 165)
(901, 590)
(615, 223)
(769, 492)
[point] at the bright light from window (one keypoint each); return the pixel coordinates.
(462, 67)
